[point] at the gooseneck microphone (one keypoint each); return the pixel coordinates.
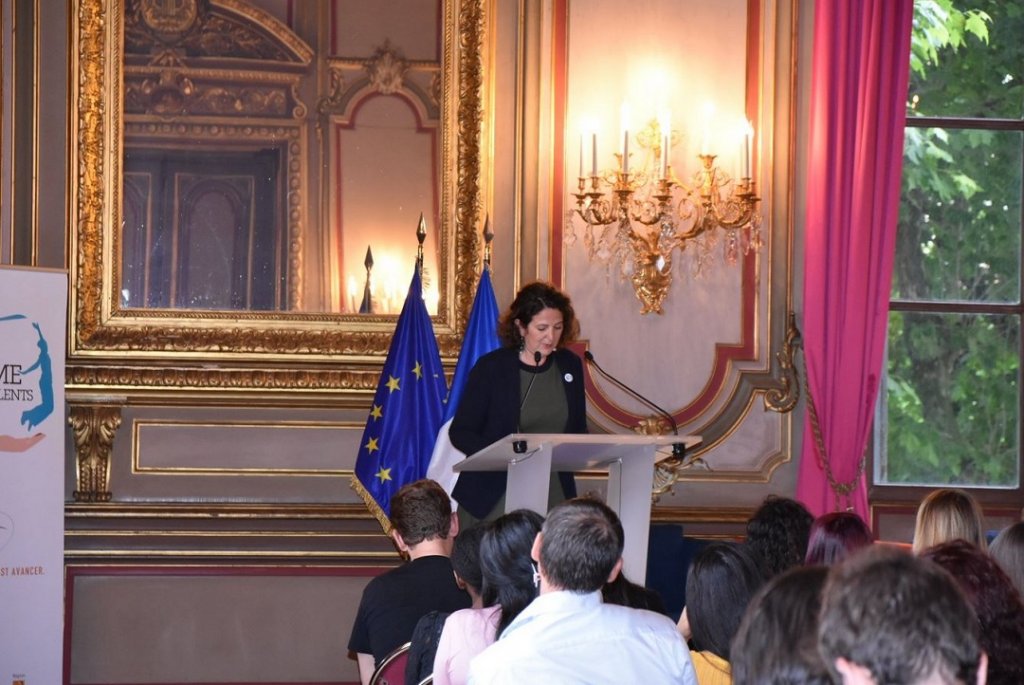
(678, 448)
(519, 446)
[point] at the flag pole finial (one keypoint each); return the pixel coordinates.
(367, 305)
(421, 235)
(488, 237)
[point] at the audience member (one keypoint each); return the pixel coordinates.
(777, 533)
(568, 634)
(777, 641)
(719, 585)
(1008, 550)
(948, 514)
(624, 592)
(996, 603)
(425, 638)
(890, 617)
(422, 527)
(834, 536)
(506, 576)
(507, 567)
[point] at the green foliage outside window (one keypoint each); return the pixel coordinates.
(951, 410)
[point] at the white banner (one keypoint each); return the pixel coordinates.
(33, 313)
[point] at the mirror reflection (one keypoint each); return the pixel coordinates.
(267, 145)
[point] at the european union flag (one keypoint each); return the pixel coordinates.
(481, 337)
(406, 410)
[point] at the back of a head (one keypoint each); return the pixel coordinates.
(777, 641)
(948, 514)
(996, 603)
(836, 535)
(466, 556)
(421, 511)
(582, 542)
(719, 585)
(506, 565)
(899, 616)
(1008, 550)
(778, 532)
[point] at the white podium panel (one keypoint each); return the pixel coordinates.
(628, 459)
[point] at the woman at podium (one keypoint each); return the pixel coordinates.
(532, 384)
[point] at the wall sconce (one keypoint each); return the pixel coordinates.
(636, 219)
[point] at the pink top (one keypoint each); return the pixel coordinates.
(466, 633)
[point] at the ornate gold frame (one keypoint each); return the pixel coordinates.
(113, 349)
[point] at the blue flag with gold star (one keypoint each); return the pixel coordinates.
(406, 410)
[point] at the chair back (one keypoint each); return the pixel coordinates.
(391, 670)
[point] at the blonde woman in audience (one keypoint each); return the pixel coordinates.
(1008, 551)
(948, 514)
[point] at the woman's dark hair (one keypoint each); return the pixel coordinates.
(466, 556)
(996, 602)
(506, 563)
(530, 300)
(834, 536)
(722, 579)
(777, 641)
(777, 533)
(1008, 550)
(624, 592)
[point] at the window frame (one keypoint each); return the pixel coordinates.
(885, 493)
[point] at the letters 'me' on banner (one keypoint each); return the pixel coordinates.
(33, 310)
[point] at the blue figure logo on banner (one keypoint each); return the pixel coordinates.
(16, 386)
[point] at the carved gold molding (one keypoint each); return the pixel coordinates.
(785, 397)
(94, 427)
(101, 334)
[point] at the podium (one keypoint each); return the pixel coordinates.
(628, 459)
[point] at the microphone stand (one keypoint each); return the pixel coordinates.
(519, 446)
(678, 448)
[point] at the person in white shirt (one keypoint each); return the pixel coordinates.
(568, 635)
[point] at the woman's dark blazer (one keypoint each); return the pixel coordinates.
(489, 410)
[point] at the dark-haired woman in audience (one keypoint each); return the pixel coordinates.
(948, 514)
(996, 602)
(778, 532)
(532, 384)
(777, 641)
(508, 586)
(625, 592)
(836, 535)
(720, 584)
(1008, 550)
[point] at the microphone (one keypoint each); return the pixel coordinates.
(678, 448)
(519, 446)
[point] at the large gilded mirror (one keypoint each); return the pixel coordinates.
(249, 177)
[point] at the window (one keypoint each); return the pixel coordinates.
(950, 408)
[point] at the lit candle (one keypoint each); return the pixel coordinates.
(748, 144)
(665, 125)
(593, 155)
(705, 138)
(352, 290)
(581, 155)
(624, 115)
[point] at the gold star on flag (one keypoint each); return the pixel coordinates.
(371, 446)
(384, 474)
(376, 412)
(392, 383)
(418, 370)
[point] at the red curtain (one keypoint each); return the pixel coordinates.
(858, 95)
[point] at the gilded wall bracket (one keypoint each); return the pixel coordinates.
(94, 427)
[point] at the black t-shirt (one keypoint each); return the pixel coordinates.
(392, 603)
